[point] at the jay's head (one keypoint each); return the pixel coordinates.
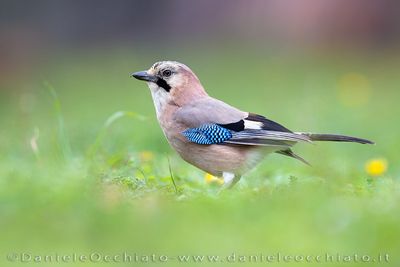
(171, 81)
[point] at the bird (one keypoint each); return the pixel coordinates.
(212, 135)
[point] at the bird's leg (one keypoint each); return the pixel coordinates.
(230, 179)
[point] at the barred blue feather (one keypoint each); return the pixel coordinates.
(208, 134)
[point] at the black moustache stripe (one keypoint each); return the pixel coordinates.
(162, 83)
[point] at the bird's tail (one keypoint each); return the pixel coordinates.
(336, 138)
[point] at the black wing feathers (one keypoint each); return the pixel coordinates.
(267, 124)
(235, 126)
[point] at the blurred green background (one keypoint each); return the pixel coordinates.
(85, 168)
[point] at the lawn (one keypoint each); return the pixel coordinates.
(85, 169)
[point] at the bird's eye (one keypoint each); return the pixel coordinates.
(166, 73)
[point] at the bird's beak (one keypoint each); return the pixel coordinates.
(144, 76)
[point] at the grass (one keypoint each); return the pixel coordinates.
(85, 167)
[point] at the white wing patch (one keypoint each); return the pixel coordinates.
(256, 125)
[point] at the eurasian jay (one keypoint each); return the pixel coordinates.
(212, 135)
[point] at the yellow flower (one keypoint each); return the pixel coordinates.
(376, 167)
(212, 179)
(146, 156)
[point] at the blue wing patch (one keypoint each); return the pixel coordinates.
(208, 134)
